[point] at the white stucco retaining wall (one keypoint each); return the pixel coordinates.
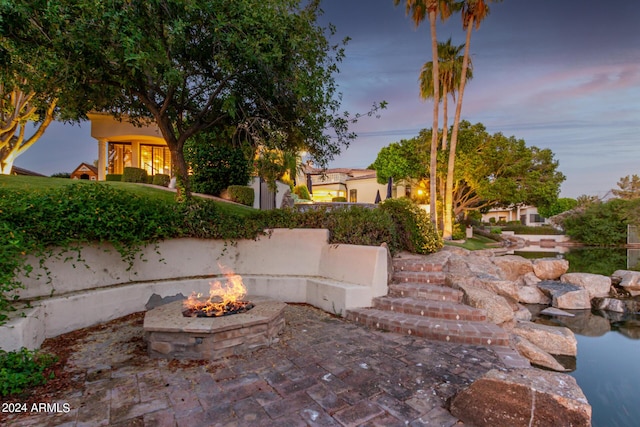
(290, 265)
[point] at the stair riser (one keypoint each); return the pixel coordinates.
(416, 266)
(450, 313)
(445, 295)
(434, 278)
(464, 335)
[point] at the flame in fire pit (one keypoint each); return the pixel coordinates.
(223, 299)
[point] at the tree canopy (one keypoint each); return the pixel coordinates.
(628, 187)
(493, 170)
(191, 65)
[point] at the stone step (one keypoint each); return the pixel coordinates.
(425, 292)
(432, 277)
(462, 332)
(415, 265)
(428, 308)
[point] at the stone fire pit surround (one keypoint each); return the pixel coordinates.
(171, 335)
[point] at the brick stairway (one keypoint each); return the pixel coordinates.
(419, 303)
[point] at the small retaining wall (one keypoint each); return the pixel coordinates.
(290, 265)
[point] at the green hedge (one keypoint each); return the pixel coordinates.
(415, 232)
(114, 177)
(241, 194)
(134, 175)
(161, 179)
(339, 199)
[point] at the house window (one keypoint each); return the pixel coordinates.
(353, 196)
(535, 218)
(119, 157)
(155, 159)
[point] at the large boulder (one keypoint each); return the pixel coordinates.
(472, 264)
(522, 397)
(506, 288)
(497, 307)
(532, 295)
(565, 295)
(597, 284)
(536, 355)
(550, 268)
(513, 267)
(552, 339)
(572, 300)
(609, 304)
(629, 280)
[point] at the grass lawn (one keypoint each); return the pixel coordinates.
(37, 183)
(476, 243)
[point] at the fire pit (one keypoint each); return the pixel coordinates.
(214, 328)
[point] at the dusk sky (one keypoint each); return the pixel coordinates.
(560, 74)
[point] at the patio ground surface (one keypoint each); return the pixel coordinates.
(324, 371)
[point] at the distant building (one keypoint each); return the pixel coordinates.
(526, 215)
(19, 171)
(355, 185)
(85, 171)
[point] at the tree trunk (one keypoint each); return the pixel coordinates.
(448, 218)
(178, 163)
(445, 130)
(433, 164)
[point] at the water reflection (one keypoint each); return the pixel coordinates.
(607, 367)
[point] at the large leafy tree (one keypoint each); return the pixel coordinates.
(473, 13)
(494, 170)
(191, 65)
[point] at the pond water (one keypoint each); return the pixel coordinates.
(607, 367)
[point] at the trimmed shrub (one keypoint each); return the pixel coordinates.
(339, 199)
(114, 177)
(161, 179)
(302, 192)
(414, 229)
(216, 164)
(134, 175)
(459, 231)
(241, 194)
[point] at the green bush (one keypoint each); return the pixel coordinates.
(216, 164)
(415, 231)
(134, 175)
(114, 177)
(241, 194)
(339, 199)
(161, 179)
(600, 224)
(459, 231)
(302, 192)
(20, 370)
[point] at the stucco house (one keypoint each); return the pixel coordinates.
(122, 144)
(527, 215)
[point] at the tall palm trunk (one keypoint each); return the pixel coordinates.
(433, 164)
(445, 130)
(448, 201)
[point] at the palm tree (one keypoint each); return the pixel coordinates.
(419, 10)
(450, 70)
(473, 13)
